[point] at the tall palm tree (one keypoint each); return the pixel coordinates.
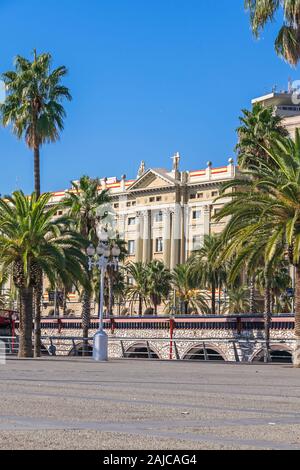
(30, 242)
(33, 104)
(137, 289)
(258, 127)
(187, 289)
(210, 273)
(33, 108)
(86, 205)
(287, 44)
(248, 241)
(268, 201)
(158, 282)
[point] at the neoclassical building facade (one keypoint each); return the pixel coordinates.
(164, 214)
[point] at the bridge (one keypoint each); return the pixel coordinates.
(234, 338)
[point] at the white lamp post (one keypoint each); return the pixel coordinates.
(102, 257)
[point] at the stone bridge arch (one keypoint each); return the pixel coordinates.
(201, 352)
(78, 348)
(280, 353)
(141, 350)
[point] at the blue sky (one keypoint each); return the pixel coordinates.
(148, 78)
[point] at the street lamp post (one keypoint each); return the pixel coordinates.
(101, 258)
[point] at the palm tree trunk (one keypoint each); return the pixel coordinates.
(86, 316)
(140, 305)
(213, 298)
(296, 358)
(272, 304)
(251, 296)
(38, 293)
(267, 319)
(39, 287)
(26, 304)
(65, 302)
(37, 174)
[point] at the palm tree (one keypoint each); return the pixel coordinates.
(33, 104)
(238, 300)
(33, 108)
(137, 289)
(210, 273)
(84, 203)
(268, 201)
(280, 281)
(112, 275)
(287, 44)
(187, 290)
(247, 241)
(30, 242)
(258, 128)
(158, 282)
(119, 289)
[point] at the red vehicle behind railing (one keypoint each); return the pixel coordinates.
(8, 319)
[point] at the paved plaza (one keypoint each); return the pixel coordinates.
(79, 404)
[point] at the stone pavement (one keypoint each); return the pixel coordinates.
(74, 403)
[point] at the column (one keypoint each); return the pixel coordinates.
(146, 237)
(138, 240)
(185, 236)
(167, 236)
(207, 220)
(176, 237)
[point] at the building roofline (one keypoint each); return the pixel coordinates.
(132, 182)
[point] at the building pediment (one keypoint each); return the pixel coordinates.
(153, 179)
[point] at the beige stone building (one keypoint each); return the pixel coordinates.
(165, 213)
(286, 104)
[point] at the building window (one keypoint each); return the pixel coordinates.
(196, 214)
(134, 203)
(131, 221)
(215, 193)
(217, 211)
(128, 204)
(159, 245)
(158, 199)
(116, 206)
(200, 195)
(159, 217)
(197, 242)
(131, 247)
(193, 196)
(152, 199)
